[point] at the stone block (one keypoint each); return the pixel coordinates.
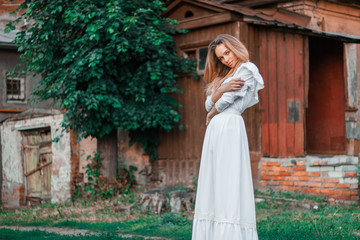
(326, 169)
(313, 169)
(348, 180)
(334, 174)
(346, 168)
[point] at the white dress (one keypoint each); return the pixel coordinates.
(225, 206)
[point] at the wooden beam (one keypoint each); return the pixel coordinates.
(11, 110)
(194, 44)
(255, 3)
(210, 20)
(37, 169)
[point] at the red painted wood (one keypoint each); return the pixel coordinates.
(290, 92)
(273, 94)
(281, 100)
(282, 57)
(299, 93)
(264, 95)
(325, 116)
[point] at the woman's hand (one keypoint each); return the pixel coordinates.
(232, 85)
(210, 115)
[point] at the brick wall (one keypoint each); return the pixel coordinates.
(333, 177)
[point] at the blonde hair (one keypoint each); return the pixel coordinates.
(215, 71)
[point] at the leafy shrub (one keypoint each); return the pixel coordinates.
(111, 64)
(100, 186)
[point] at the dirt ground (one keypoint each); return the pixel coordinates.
(70, 231)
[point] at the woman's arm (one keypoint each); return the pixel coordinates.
(233, 85)
(210, 115)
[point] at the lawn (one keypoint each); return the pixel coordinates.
(276, 220)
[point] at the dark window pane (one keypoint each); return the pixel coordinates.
(202, 58)
(191, 54)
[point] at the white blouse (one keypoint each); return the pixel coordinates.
(244, 98)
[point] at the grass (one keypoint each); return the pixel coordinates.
(275, 221)
(100, 216)
(327, 222)
(6, 234)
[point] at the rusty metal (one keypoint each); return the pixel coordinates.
(2, 110)
(37, 169)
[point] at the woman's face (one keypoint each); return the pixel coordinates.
(225, 55)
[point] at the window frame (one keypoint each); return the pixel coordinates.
(197, 57)
(16, 97)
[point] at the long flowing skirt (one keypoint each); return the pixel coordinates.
(225, 207)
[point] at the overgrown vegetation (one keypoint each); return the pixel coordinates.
(274, 221)
(111, 64)
(99, 186)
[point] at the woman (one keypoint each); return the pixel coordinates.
(225, 207)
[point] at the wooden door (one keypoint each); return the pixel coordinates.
(283, 64)
(37, 165)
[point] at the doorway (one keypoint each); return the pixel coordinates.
(37, 165)
(325, 114)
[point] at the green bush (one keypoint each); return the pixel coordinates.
(111, 64)
(99, 186)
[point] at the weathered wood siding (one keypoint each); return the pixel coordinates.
(180, 150)
(283, 60)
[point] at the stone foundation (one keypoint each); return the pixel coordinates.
(334, 177)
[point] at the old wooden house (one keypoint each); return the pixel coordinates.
(305, 133)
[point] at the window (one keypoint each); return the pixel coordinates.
(15, 87)
(202, 58)
(200, 55)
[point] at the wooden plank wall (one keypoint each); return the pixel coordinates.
(180, 151)
(249, 36)
(282, 64)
